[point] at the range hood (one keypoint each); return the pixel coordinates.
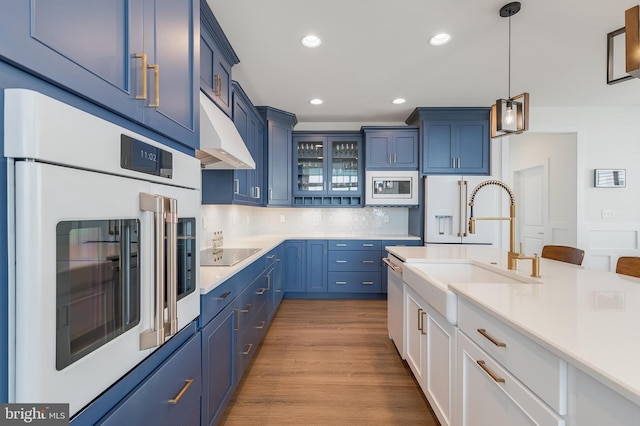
(221, 146)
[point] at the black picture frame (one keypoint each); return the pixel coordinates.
(611, 55)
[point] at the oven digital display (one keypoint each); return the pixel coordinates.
(142, 157)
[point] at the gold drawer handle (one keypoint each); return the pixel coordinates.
(486, 369)
(367, 282)
(186, 386)
(261, 326)
(341, 283)
(341, 261)
(261, 291)
(492, 339)
(367, 261)
(249, 347)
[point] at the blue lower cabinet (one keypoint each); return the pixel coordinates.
(355, 260)
(316, 266)
(250, 335)
(170, 396)
(294, 266)
(277, 278)
(218, 365)
(354, 282)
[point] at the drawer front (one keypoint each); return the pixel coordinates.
(212, 303)
(491, 395)
(542, 371)
(251, 300)
(350, 260)
(169, 396)
(355, 282)
(355, 245)
(249, 340)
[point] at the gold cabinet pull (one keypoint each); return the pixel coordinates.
(261, 326)
(341, 283)
(218, 85)
(491, 338)
(186, 386)
(156, 85)
(261, 291)
(486, 369)
(367, 282)
(367, 261)
(249, 347)
(143, 57)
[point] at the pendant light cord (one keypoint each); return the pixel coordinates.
(509, 61)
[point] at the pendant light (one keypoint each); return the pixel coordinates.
(511, 115)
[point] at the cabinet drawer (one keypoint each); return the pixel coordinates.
(350, 260)
(251, 301)
(492, 395)
(249, 339)
(355, 282)
(542, 371)
(212, 303)
(355, 245)
(171, 395)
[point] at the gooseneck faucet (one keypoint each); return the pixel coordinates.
(512, 256)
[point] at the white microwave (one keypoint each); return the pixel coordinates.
(391, 188)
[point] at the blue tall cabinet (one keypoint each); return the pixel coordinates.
(97, 56)
(125, 56)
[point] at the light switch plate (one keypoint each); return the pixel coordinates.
(608, 213)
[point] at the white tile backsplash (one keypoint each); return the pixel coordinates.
(242, 221)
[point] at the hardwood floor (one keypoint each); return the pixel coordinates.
(328, 362)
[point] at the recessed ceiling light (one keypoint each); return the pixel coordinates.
(398, 101)
(439, 39)
(315, 101)
(311, 41)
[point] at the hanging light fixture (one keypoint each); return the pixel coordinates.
(510, 115)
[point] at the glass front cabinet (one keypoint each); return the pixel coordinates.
(328, 169)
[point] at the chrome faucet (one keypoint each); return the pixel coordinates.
(512, 256)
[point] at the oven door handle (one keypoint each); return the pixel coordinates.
(171, 221)
(157, 205)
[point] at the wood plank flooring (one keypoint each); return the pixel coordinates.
(328, 362)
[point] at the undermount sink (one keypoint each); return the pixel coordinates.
(431, 280)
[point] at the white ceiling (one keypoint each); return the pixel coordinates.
(376, 50)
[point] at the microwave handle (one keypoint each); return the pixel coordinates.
(171, 221)
(157, 205)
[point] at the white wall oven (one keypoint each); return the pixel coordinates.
(391, 188)
(104, 248)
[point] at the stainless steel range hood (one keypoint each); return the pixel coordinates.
(221, 146)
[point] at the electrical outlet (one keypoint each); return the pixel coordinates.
(608, 213)
(386, 218)
(282, 218)
(318, 218)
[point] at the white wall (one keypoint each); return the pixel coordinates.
(238, 222)
(607, 137)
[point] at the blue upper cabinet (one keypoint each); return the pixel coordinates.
(391, 148)
(278, 154)
(327, 169)
(454, 140)
(216, 59)
(138, 59)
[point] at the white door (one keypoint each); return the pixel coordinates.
(532, 213)
(416, 336)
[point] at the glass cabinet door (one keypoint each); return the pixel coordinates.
(310, 154)
(344, 165)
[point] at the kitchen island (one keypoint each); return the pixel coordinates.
(583, 322)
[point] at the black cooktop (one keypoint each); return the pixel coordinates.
(225, 256)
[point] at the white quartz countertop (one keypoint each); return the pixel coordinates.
(213, 276)
(589, 318)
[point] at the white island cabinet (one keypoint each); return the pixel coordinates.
(559, 350)
(430, 345)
